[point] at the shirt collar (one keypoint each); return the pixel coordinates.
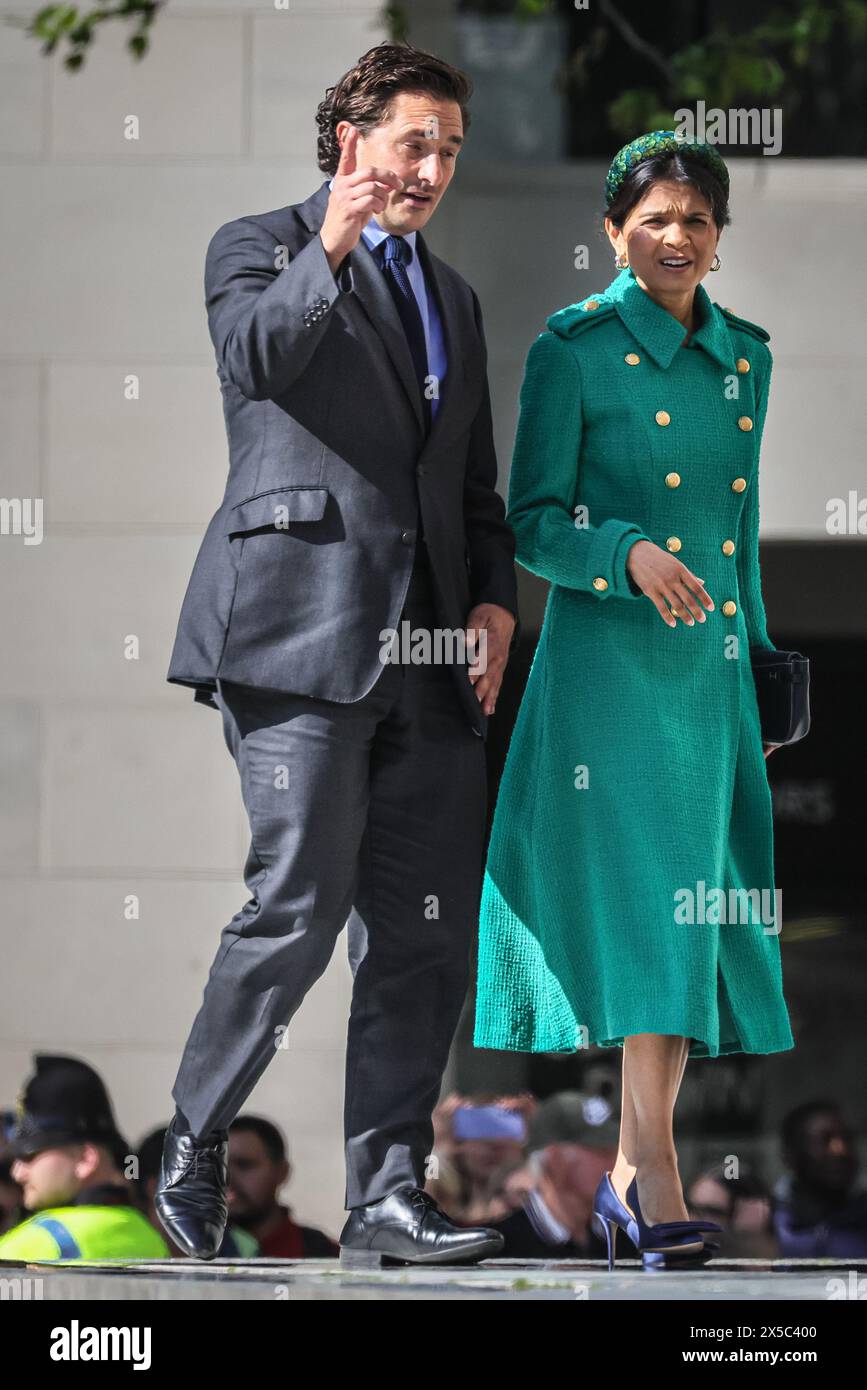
(660, 333)
(373, 234)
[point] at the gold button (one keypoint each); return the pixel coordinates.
(600, 583)
(591, 304)
(742, 364)
(674, 542)
(728, 547)
(663, 417)
(632, 358)
(672, 480)
(739, 484)
(729, 608)
(745, 423)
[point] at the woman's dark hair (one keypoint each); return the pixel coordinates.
(364, 94)
(669, 167)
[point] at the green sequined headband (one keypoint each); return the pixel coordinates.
(662, 142)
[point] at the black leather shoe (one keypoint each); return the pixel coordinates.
(190, 1199)
(409, 1227)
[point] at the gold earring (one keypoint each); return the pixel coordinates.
(620, 261)
(718, 263)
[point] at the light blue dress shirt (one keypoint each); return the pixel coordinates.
(434, 338)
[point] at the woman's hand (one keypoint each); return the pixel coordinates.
(489, 661)
(668, 584)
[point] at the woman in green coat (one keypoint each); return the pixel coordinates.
(628, 897)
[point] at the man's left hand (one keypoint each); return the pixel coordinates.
(498, 625)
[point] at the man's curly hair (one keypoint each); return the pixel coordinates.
(363, 95)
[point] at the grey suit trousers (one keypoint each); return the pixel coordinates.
(368, 815)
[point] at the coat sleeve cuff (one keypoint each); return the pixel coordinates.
(607, 575)
(322, 283)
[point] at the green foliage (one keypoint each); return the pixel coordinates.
(518, 9)
(637, 110)
(394, 20)
(529, 9)
(72, 31)
(774, 61)
(807, 56)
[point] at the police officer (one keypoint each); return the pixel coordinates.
(68, 1157)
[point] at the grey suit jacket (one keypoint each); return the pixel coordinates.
(308, 557)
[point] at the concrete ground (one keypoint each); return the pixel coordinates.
(525, 1280)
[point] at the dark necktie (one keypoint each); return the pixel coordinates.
(396, 253)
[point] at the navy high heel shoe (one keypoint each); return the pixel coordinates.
(675, 1256)
(668, 1245)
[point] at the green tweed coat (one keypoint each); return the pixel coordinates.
(629, 886)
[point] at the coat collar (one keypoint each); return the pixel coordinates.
(312, 210)
(660, 333)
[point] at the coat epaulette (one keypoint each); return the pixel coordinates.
(576, 317)
(754, 328)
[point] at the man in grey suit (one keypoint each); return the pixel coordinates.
(361, 502)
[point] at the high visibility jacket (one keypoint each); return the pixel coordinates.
(84, 1233)
(238, 1244)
